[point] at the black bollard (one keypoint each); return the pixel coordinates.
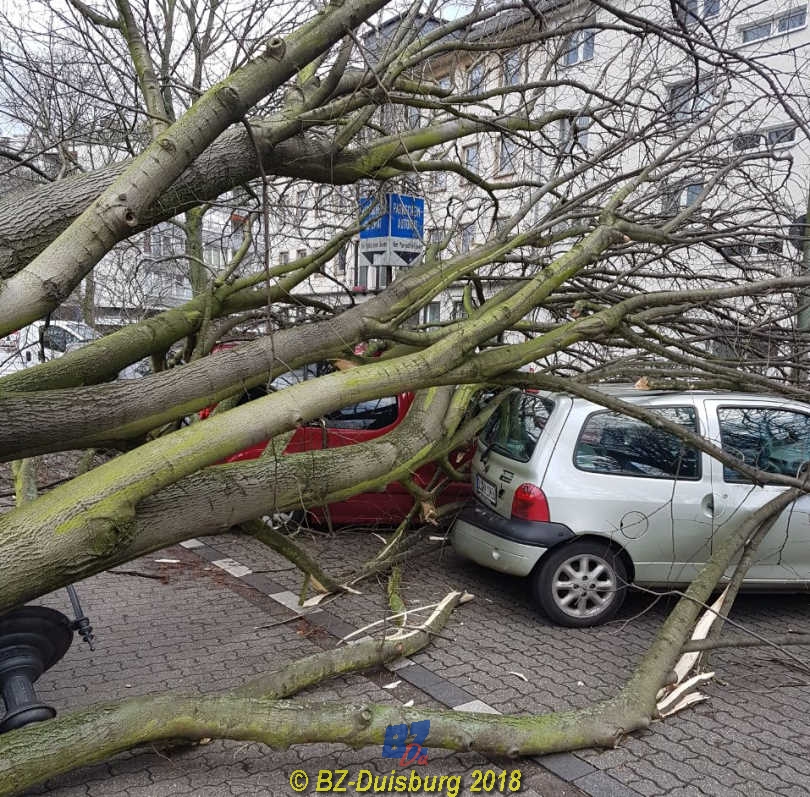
(32, 640)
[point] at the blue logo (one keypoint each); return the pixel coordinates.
(397, 744)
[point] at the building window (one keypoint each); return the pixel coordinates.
(682, 197)
(786, 134)
(769, 246)
(784, 23)
(300, 254)
(435, 236)
(775, 137)
(439, 180)
(579, 47)
(283, 258)
(413, 117)
(385, 276)
(688, 100)
(213, 256)
(467, 237)
(508, 156)
(458, 310)
(238, 222)
(475, 79)
(690, 12)
(431, 313)
(511, 68)
(320, 202)
(745, 141)
(362, 275)
(300, 201)
(736, 250)
(340, 261)
(470, 157)
(574, 134)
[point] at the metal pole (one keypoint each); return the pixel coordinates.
(803, 296)
(81, 623)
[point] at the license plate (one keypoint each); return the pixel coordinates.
(486, 489)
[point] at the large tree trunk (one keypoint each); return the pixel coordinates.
(36, 560)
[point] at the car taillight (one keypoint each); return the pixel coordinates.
(530, 503)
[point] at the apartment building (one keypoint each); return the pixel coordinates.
(717, 135)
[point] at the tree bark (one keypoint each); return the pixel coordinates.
(36, 560)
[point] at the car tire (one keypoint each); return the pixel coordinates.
(286, 520)
(580, 584)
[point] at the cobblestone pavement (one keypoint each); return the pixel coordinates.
(197, 627)
(189, 626)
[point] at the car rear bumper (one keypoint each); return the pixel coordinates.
(503, 544)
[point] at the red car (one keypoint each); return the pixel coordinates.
(358, 423)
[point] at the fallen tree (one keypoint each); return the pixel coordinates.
(611, 259)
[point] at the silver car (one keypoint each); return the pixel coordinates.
(585, 501)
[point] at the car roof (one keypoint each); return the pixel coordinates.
(629, 392)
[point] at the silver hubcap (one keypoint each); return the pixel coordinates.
(279, 520)
(584, 585)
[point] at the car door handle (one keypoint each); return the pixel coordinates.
(707, 504)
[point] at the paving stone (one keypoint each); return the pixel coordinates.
(567, 765)
(600, 784)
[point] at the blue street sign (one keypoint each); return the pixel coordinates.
(394, 230)
(377, 218)
(407, 216)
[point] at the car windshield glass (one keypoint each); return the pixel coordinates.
(516, 426)
(83, 332)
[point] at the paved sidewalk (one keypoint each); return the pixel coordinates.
(194, 627)
(203, 628)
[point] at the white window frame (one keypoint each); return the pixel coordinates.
(678, 198)
(467, 238)
(470, 163)
(580, 47)
(475, 79)
(696, 98)
(300, 203)
(574, 133)
(764, 139)
(413, 117)
(431, 313)
(692, 12)
(512, 67)
(507, 155)
(771, 26)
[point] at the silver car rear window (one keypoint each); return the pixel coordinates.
(516, 426)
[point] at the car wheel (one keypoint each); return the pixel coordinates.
(580, 584)
(286, 520)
